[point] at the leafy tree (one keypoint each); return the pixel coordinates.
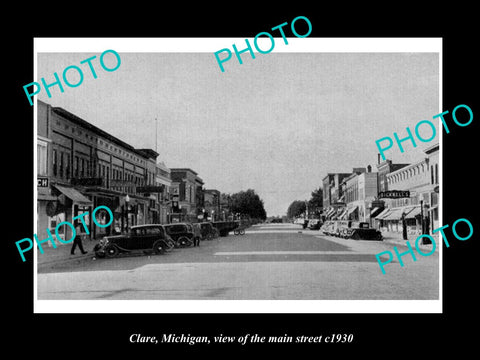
(246, 203)
(315, 204)
(296, 208)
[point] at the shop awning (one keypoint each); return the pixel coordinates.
(351, 210)
(395, 214)
(382, 215)
(415, 211)
(74, 195)
(343, 215)
(376, 211)
(46, 197)
(330, 212)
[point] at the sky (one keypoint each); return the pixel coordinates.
(276, 124)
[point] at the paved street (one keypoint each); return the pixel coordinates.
(271, 262)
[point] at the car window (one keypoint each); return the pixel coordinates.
(137, 232)
(176, 229)
(153, 231)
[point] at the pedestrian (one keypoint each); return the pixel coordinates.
(404, 227)
(196, 235)
(79, 234)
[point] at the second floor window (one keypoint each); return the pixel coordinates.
(42, 158)
(54, 162)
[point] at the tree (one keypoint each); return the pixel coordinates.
(315, 204)
(248, 203)
(245, 203)
(296, 208)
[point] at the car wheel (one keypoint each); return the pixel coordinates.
(159, 247)
(209, 236)
(241, 232)
(235, 232)
(184, 241)
(111, 251)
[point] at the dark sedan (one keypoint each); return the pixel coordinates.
(182, 234)
(141, 237)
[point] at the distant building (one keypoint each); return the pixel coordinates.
(332, 191)
(162, 178)
(360, 190)
(211, 202)
(185, 185)
(384, 168)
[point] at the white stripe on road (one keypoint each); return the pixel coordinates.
(286, 231)
(240, 253)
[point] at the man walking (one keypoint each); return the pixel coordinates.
(404, 227)
(79, 234)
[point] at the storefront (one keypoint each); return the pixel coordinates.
(69, 204)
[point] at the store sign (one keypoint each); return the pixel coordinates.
(86, 181)
(42, 182)
(394, 194)
(149, 189)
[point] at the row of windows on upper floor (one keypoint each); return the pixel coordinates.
(82, 167)
(415, 171)
(103, 143)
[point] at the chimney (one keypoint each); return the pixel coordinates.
(369, 169)
(378, 157)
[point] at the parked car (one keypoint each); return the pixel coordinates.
(341, 226)
(151, 237)
(181, 233)
(327, 227)
(208, 231)
(362, 231)
(314, 224)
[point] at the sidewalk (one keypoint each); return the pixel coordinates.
(397, 239)
(62, 252)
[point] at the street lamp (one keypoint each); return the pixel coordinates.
(127, 200)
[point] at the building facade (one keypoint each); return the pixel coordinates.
(185, 183)
(384, 168)
(86, 167)
(419, 210)
(211, 203)
(162, 179)
(333, 200)
(361, 189)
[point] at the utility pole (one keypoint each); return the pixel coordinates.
(156, 135)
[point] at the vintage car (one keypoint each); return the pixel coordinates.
(182, 234)
(327, 227)
(362, 231)
(341, 227)
(224, 227)
(314, 224)
(208, 231)
(151, 238)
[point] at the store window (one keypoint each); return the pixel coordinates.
(42, 158)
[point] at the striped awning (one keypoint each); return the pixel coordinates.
(413, 212)
(382, 215)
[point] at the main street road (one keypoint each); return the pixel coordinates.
(271, 262)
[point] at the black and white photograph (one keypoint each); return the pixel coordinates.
(197, 182)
